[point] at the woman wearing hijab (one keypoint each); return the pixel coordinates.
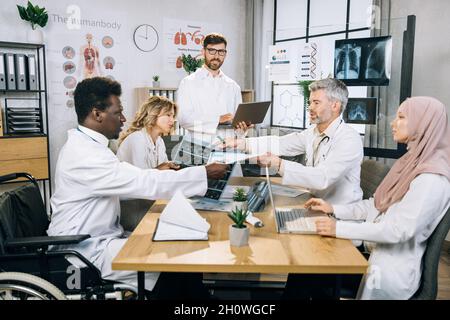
(407, 206)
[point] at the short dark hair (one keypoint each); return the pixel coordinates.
(214, 38)
(94, 92)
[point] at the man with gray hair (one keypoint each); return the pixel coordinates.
(333, 150)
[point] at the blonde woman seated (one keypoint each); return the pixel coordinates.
(142, 145)
(407, 206)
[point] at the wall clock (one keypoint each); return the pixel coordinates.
(146, 38)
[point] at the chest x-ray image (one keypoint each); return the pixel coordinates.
(361, 111)
(363, 62)
(379, 61)
(347, 61)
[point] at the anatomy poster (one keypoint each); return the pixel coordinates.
(79, 48)
(184, 37)
(90, 47)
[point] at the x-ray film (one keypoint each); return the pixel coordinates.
(361, 111)
(363, 62)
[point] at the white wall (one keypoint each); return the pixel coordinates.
(432, 46)
(140, 66)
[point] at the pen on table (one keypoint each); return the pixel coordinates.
(221, 139)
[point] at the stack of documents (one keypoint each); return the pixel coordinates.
(180, 221)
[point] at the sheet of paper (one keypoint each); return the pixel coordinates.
(286, 191)
(180, 212)
(229, 157)
(167, 231)
(229, 190)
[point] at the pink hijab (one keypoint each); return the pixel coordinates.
(428, 149)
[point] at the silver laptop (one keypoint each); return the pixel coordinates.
(292, 220)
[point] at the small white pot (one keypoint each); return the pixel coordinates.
(35, 36)
(240, 205)
(239, 236)
(156, 84)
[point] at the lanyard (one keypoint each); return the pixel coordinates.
(87, 135)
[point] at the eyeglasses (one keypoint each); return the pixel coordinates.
(213, 52)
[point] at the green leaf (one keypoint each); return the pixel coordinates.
(42, 20)
(238, 216)
(40, 10)
(33, 14)
(239, 195)
(23, 13)
(190, 64)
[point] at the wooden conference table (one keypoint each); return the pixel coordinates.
(268, 252)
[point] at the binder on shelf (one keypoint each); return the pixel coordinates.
(31, 72)
(10, 72)
(1, 121)
(21, 80)
(2, 72)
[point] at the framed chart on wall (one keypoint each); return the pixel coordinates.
(288, 108)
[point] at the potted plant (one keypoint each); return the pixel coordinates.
(155, 81)
(240, 199)
(37, 17)
(238, 231)
(304, 89)
(191, 64)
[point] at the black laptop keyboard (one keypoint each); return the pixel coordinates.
(192, 154)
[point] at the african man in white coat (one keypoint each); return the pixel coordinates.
(90, 179)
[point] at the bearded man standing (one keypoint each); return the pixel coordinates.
(208, 98)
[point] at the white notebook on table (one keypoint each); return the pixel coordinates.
(180, 221)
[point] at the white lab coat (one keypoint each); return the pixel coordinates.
(202, 99)
(336, 176)
(399, 236)
(89, 181)
(139, 150)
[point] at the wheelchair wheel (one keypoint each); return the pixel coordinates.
(23, 286)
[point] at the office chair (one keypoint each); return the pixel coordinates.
(430, 261)
(372, 173)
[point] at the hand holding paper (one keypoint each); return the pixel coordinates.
(229, 157)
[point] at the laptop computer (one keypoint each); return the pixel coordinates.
(192, 152)
(249, 112)
(292, 220)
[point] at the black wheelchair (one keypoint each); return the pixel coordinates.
(24, 250)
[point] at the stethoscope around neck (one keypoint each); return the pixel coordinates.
(327, 139)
